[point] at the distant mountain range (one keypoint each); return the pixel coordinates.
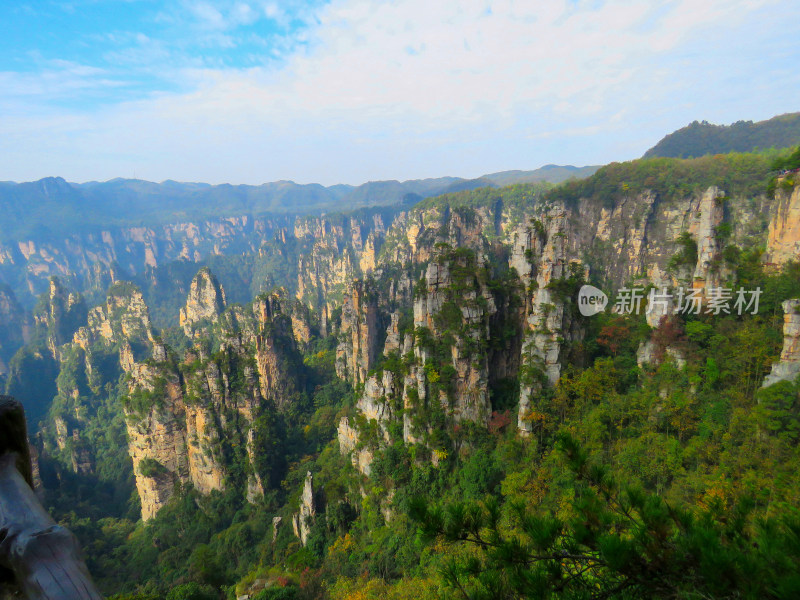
(36, 209)
(701, 137)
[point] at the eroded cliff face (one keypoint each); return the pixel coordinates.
(119, 337)
(358, 350)
(124, 317)
(15, 327)
(349, 445)
(338, 251)
(155, 417)
(187, 420)
(639, 239)
(636, 239)
(455, 307)
(437, 358)
(91, 362)
(276, 320)
(783, 236)
(59, 315)
(82, 258)
(704, 226)
(471, 327)
(413, 236)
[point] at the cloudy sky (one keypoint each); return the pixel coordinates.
(348, 91)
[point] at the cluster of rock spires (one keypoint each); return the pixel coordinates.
(99, 257)
(210, 401)
(462, 298)
(632, 243)
(455, 307)
(181, 416)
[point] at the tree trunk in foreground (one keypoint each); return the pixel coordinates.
(42, 557)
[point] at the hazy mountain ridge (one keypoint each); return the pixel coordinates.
(32, 208)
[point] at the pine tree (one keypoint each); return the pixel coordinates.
(621, 543)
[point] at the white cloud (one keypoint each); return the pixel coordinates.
(415, 88)
(207, 15)
(59, 79)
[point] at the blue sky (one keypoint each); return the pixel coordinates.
(347, 91)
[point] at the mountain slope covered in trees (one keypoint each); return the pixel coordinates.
(407, 402)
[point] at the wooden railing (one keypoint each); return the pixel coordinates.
(39, 558)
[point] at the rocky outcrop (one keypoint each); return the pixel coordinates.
(204, 304)
(788, 368)
(304, 518)
(206, 470)
(455, 307)
(349, 445)
(445, 373)
(172, 420)
(124, 318)
(276, 350)
(374, 403)
(393, 342)
(413, 236)
(377, 404)
(635, 237)
(698, 234)
(302, 328)
(156, 437)
(114, 336)
(72, 446)
(276, 521)
(621, 234)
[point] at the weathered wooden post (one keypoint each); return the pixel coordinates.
(42, 557)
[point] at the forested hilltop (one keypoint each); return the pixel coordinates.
(407, 401)
(701, 138)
